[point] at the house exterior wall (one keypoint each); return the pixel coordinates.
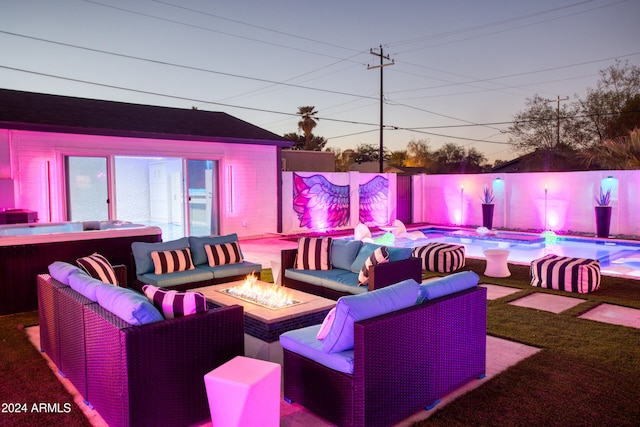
(557, 201)
(248, 174)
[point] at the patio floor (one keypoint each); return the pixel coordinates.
(501, 353)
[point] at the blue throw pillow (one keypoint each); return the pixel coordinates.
(447, 285)
(62, 270)
(363, 254)
(353, 308)
(399, 254)
(127, 304)
(142, 252)
(197, 245)
(344, 252)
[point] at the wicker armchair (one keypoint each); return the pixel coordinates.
(404, 361)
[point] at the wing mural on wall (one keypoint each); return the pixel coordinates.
(374, 200)
(320, 204)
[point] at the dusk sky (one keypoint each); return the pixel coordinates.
(462, 68)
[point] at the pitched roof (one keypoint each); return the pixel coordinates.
(65, 114)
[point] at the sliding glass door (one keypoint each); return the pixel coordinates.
(202, 190)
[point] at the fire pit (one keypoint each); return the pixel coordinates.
(267, 295)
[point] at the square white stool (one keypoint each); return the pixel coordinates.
(497, 263)
(244, 392)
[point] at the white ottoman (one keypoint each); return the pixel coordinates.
(244, 392)
(497, 263)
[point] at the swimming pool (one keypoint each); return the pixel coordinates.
(617, 257)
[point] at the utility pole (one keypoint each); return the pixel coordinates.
(381, 66)
(558, 117)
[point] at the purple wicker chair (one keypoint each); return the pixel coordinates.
(404, 361)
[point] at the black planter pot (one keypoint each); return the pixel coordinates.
(603, 220)
(487, 216)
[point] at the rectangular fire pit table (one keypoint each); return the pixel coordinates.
(262, 325)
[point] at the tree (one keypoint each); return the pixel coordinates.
(453, 158)
(419, 154)
(370, 153)
(619, 153)
(307, 123)
(398, 158)
(536, 127)
(343, 159)
(607, 104)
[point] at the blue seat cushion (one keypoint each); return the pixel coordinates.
(228, 270)
(197, 244)
(447, 285)
(353, 308)
(343, 281)
(313, 277)
(142, 252)
(303, 342)
(344, 252)
(176, 278)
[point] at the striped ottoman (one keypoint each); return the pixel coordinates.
(440, 257)
(580, 275)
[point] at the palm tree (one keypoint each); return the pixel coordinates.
(307, 123)
(619, 153)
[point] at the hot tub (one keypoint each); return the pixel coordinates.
(26, 250)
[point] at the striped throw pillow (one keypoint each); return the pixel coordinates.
(175, 304)
(224, 253)
(314, 253)
(172, 261)
(98, 267)
(379, 256)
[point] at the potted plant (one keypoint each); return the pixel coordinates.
(603, 213)
(487, 207)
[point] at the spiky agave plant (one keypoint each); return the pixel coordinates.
(604, 198)
(487, 195)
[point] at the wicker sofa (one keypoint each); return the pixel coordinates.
(347, 258)
(201, 275)
(400, 362)
(145, 375)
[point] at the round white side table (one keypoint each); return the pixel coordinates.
(497, 263)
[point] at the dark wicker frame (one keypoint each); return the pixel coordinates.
(146, 375)
(380, 276)
(404, 362)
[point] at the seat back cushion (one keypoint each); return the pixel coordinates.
(197, 246)
(85, 285)
(314, 253)
(98, 267)
(61, 271)
(129, 305)
(353, 308)
(142, 252)
(344, 252)
(447, 285)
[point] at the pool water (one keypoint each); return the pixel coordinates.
(617, 257)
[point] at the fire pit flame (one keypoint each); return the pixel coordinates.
(268, 295)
